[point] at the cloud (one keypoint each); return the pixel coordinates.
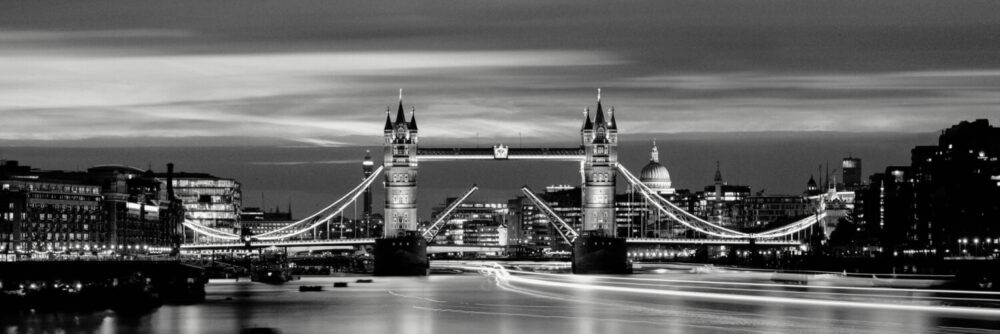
(313, 142)
(298, 163)
(36, 36)
(324, 71)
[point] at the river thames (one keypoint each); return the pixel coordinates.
(494, 300)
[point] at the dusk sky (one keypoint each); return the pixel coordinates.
(322, 72)
(305, 73)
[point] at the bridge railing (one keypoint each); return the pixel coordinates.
(710, 241)
(281, 243)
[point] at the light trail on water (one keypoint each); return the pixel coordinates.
(768, 284)
(507, 276)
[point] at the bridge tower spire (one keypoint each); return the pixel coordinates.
(400, 161)
(600, 144)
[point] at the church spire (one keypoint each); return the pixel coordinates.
(654, 154)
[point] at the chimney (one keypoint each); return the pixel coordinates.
(170, 181)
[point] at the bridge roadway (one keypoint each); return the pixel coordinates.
(350, 243)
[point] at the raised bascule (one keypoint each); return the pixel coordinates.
(597, 250)
(403, 248)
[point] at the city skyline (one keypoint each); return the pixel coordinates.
(318, 74)
(515, 166)
(311, 176)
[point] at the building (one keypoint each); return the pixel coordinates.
(764, 212)
(654, 175)
(254, 221)
(368, 226)
(600, 143)
(42, 215)
(945, 201)
(531, 229)
(851, 168)
(209, 201)
(401, 138)
(473, 223)
(636, 218)
(141, 209)
(721, 202)
(109, 209)
(812, 189)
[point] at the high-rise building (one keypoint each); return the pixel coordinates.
(367, 168)
(851, 168)
(368, 226)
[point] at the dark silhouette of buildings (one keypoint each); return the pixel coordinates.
(946, 202)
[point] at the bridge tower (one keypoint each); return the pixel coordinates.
(402, 251)
(400, 173)
(598, 250)
(600, 142)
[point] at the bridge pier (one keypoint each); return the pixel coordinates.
(595, 253)
(401, 256)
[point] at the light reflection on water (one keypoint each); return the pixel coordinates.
(476, 304)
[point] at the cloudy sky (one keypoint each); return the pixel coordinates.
(319, 72)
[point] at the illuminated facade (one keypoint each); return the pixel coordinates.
(209, 201)
(257, 221)
(473, 223)
(530, 228)
(137, 207)
(774, 210)
(600, 143)
(368, 226)
(41, 215)
(721, 202)
(400, 173)
(109, 209)
(654, 175)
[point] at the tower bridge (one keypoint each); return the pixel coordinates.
(596, 248)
